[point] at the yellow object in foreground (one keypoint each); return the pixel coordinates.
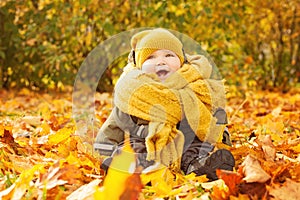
(122, 167)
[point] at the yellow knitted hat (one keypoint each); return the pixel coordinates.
(146, 42)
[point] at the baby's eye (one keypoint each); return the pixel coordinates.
(169, 55)
(150, 57)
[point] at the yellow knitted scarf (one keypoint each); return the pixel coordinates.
(187, 93)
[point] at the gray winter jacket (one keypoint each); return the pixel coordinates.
(112, 131)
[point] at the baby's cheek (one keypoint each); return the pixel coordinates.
(148, 68)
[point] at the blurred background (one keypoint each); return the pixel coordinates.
(255, 44)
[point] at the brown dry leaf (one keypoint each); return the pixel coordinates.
(265, 142)
(253, 190)
(8, 138)
(4, 128)
(71, 173)
(253, 171)
(280, 173)
(289, 190)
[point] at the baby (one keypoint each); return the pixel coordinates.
(167, 102)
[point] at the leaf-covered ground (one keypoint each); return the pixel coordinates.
(41, 157)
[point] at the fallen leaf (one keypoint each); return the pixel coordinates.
(240, 197)
(253, 190)
(281, 173)
(276, 112)
(253, 171)
(219, 193)
(29, 120)
(231, 179)
(85, 192)
(162, 180)
(51, 179)
(211, 184)
(289, 190)
(20, 163)
(276, 129)
(296, 148)
(32, 120)
(6, 194)
(60, 136)
(265, 142)
(22, 184)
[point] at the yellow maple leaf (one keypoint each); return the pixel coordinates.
(275, 127)
(296, 148)
(60, 135)
(44, 129)
(19, 188)
(162, 180)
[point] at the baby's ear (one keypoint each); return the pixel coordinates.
(130, 58)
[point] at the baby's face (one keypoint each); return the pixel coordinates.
(162, 62)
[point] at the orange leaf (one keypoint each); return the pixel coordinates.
(231, 179)
(219, 194)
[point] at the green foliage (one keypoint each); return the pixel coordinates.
(43, 42)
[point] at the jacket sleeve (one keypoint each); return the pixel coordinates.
(111, 134)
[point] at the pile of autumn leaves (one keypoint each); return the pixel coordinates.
(42, 157)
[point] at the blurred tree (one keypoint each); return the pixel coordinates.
(43, 42)
(270, 42)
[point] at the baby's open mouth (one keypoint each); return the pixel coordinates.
(162, 73)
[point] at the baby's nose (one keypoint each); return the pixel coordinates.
(160, 62)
